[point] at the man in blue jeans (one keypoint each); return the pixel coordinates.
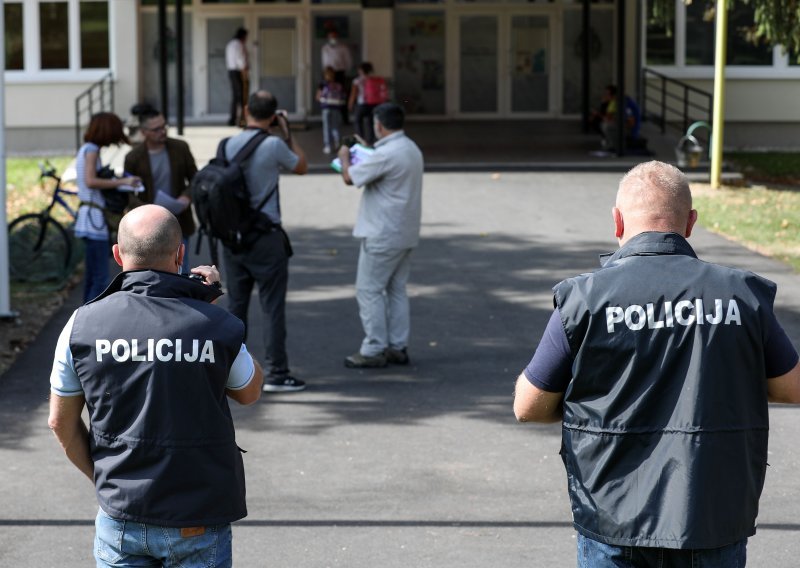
(660, 367)
(154, 362)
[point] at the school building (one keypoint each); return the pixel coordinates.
(445, 59)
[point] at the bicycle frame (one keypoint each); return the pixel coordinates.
(48, 171)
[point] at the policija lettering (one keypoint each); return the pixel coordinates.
(685, 312)
(163, 350)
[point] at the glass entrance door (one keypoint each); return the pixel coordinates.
(478, 64)
(219, 32)
(504, 64)
(530, 64)
(278, 60)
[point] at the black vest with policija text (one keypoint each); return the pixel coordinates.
(153, 357)
(665, 419)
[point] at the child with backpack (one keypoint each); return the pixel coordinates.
(331, 97)
(367, 92)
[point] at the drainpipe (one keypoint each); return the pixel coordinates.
(720, 58)
(5, 293)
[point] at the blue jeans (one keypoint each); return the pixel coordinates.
(594, 554)
(127, 543)
(331, 122)
(96, 275)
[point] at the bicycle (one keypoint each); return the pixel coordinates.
(40, 248)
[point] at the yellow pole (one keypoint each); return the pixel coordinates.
(719, 93)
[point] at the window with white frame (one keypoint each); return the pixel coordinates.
(688, 42)
(12, 34)
(56, 35)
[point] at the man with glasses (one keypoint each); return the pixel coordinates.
(166, 167)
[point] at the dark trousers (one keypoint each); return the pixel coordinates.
(594, 554)
(265, 263)
(363, 120)
(340, 78)
(96, 274)
(237, 86)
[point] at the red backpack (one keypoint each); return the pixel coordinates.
(375, 90)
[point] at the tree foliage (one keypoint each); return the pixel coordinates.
(775, 22)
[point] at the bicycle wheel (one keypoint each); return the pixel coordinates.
(39, 249)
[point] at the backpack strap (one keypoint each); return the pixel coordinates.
(247, 149)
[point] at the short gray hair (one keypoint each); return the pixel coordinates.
(657, 188)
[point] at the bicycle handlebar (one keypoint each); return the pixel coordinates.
(47, 169)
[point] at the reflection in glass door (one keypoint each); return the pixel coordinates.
(530, 64)
(219, 33)
(277, 60)
(478, 63)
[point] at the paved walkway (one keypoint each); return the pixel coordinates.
(417, 467)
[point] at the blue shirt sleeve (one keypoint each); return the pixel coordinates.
(780, 356)
(284, 155)
(551, 367)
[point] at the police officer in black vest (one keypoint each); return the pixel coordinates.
(660, 367)
(154, 362)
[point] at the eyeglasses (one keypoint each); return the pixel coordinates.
(161, 128)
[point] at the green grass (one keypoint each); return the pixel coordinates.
(775, 166)
(764, 219)
(24, 192)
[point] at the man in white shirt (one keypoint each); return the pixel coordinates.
(237, 63)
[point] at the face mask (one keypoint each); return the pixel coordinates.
(332, 41)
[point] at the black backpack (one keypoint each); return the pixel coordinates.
(222, 201)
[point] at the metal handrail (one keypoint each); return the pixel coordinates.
(668, 101)
(99, 97)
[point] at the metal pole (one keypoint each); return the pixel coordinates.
(179, 110)
(620, 142)
(720, 58)
(586, 77)
(162, 55)
(5, 288)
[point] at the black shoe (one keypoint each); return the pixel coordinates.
(283, 384)
(359, 361)
(396, 356)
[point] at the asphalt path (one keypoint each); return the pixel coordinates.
(418, 466)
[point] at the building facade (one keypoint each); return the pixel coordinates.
(446, 59)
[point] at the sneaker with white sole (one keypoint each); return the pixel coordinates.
(283, 384)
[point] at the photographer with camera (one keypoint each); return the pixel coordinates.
(388, 225)
(154, 362)
(266, 260)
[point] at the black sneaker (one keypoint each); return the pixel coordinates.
(396, 356)
(359, 361)
(283, 384)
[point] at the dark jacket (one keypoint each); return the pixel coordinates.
(183, 168)
(665, 420)
(153, 357)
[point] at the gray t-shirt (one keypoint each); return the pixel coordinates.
(159, 166)
(391, 205)
(262, 169)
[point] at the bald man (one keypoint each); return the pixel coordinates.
(659, 367)
(154, 362)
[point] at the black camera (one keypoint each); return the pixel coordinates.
(349, 141)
